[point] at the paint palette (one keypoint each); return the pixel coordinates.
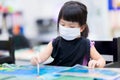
(28, 69)
(29, 72)
(97, 73)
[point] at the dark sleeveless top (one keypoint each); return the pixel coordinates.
(70, 53)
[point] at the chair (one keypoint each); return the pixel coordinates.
(108, 48)
(20, 42)
(116, 63)
(7, 45)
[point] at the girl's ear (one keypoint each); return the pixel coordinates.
(82, 28)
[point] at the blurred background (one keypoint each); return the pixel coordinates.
(35, 20)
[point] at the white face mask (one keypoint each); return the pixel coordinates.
(69, 33)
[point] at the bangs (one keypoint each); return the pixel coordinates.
(74, 12)
(71, 13)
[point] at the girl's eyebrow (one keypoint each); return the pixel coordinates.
(62, 22)
(72, 23)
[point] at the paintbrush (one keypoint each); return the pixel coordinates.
(38, 70)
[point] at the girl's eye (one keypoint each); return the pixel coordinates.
(62, 24)
(71, 26)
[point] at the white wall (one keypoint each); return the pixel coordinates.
(36, 9)
(97, 20)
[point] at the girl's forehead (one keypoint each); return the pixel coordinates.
(69, 22)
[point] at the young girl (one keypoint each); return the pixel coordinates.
(71, 46)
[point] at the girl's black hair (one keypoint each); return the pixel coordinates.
(76, 12)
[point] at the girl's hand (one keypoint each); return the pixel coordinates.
(35, 60)
(93, 64)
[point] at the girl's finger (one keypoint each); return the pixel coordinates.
(34, 61)
(92, 64)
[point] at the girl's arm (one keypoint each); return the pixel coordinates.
(43, 56)
(96, 59)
